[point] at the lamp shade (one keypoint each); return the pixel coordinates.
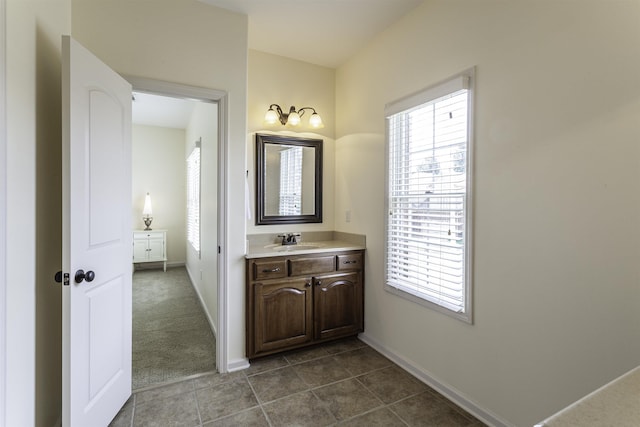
(294, 119)
(271, 117)
(147, 206)
(315, 121)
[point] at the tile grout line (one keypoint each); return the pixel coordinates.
(289, 363)
(195, 396)
(264, 412)
(325, 407)
(384, 404)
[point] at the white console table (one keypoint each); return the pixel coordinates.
(150, 246)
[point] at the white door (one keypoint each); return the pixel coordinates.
(96, 169)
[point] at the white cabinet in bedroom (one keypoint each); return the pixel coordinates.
(150, 246)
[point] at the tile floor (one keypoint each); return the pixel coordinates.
(344, 383)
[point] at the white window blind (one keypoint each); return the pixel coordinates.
(193, 197)
(291, 181)
(428, 197)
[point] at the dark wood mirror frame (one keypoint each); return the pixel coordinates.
(262, 140)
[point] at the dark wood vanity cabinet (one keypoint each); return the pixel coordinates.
(337, 303)
(298, 300)
(283, 314)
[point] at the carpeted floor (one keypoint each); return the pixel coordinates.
(171, 336)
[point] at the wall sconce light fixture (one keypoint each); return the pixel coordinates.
(147, 212)
(275, 114)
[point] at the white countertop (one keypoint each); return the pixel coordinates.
(615, 404)
(302, 248)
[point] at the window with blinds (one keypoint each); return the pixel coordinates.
(428, 195)
(193, 198)
(290, 202)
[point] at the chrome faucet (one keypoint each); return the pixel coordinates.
(289, 238)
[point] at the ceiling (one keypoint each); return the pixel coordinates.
(164, 111)
(321, 32)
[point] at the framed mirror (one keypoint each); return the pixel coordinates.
(288, 180)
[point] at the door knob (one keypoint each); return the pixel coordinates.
(81, 275)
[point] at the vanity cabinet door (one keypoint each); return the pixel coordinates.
(338, 302)
(283, 314)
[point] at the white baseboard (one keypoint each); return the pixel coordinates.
(202, 304)
(238, 365)
(451, 393)
(156, 265)
(175, 264)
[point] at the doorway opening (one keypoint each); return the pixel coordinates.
(175, 314)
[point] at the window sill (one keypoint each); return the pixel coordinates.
(464, 317)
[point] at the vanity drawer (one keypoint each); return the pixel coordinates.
(315, 265)
(350, 262)
(273, 269)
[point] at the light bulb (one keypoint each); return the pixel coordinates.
(315, 121)
(294, 119)
(271, 117)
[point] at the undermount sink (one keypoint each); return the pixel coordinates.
(292, 248)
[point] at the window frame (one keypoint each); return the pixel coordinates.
(429, 94)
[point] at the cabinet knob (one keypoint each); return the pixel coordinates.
(308, 284)
(319, 282)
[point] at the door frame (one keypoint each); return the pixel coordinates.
(3, 213)
(220, 98)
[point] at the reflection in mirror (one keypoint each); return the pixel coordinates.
(289, 180)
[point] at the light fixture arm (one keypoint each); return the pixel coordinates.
(301, 111)
(281, 115)
(275, 113)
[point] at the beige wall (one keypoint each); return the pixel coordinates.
(191, 43)
(158, 168)
(557, 301)
(203, 266)
(33, 319)
(277, 80)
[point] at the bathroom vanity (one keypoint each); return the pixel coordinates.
(299, 297)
